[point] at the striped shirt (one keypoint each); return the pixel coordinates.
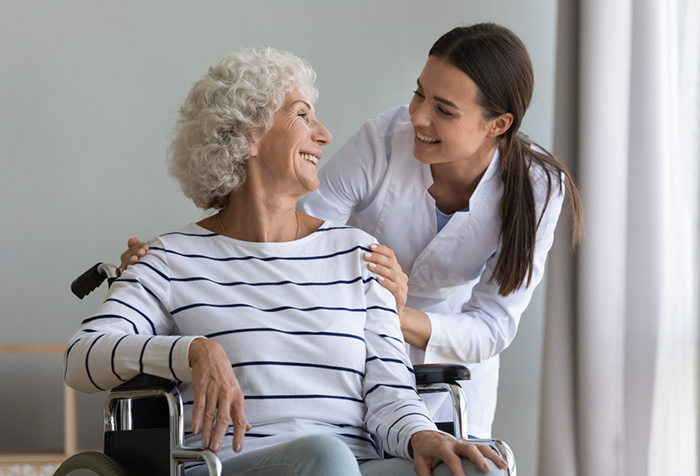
(312, 337)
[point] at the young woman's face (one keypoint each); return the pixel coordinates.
(288, 154)
(448, 123)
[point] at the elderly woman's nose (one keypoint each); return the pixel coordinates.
(321, 135)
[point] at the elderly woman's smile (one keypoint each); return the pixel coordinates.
(291, 149)
(311, 158)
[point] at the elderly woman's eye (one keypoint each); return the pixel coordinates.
(304, 116)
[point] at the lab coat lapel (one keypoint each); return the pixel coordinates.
(454, 257)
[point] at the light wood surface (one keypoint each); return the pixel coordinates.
(32, 349)
(29, 458)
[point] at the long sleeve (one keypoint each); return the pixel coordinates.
(394, 410)
(129, 334)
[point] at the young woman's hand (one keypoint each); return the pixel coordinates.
(430, 448)
(415, 324)
(383, 262)
(136, 249)
(218, 398)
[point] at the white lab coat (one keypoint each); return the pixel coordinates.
(375, 175)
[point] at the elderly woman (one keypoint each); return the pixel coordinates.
(262, 304)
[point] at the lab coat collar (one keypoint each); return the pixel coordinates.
(490, 180)
(484, 190)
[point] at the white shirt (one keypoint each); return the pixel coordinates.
(376, 176)
(313, 338)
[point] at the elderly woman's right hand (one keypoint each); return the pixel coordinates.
(218, 398)
(430, 448)
(136, 249)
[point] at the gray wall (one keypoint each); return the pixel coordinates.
(88, 92)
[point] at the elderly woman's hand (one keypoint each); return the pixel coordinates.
(135, 249)
(218, 398)
(430, 448)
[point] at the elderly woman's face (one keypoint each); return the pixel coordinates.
(290, 151)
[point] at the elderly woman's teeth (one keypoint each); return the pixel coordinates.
(311, 158)
(426, 139)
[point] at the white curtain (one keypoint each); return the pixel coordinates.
(676, 385)
(620, 377)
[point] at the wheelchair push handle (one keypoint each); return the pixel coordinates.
(93, 278)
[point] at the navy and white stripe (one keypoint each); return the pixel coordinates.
(313, 338)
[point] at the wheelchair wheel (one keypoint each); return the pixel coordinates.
(90, 463)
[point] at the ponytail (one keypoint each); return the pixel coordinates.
(519, 217)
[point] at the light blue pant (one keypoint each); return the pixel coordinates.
(322, 455)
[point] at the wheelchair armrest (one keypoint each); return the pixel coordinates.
(135, 404)
(438, 373)
(145, 381)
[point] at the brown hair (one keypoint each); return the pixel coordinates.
(498, 62)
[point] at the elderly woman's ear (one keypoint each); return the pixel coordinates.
(253, 146)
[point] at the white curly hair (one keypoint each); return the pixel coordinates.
(234, 103)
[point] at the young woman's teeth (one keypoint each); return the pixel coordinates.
(426, 139)
(311, 158)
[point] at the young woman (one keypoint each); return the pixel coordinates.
(463, 204)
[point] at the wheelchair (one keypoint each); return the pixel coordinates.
(144, 422)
